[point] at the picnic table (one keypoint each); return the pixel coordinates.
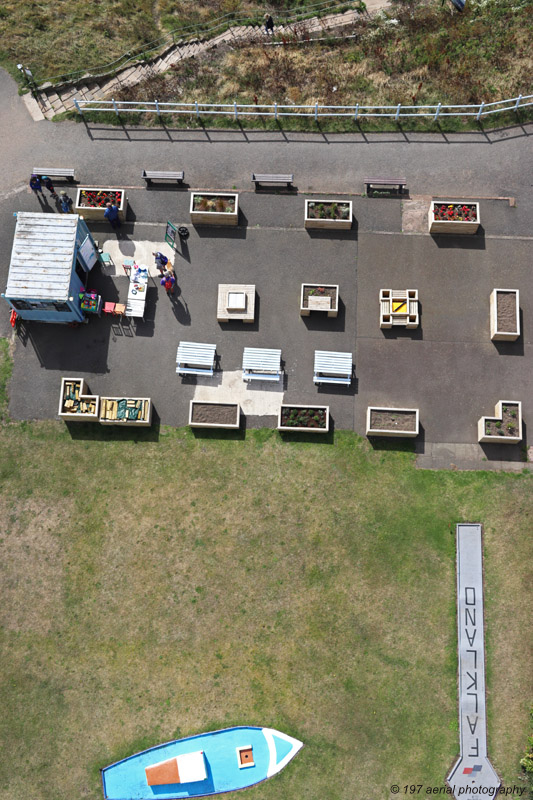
(137, 291)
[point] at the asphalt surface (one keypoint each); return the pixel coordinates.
(448, 368)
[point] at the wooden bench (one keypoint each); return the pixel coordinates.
(257, 178)
(332, 367)
(194, 358)
(259, 364)
(54, 172)
(397, 182)
(150, 175)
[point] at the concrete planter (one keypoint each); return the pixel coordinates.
(303, 428)
(505, 427)
(397, 422)
(319, 301)
(214, 217)
(327, 222)
(504, 315)
(210, 414)
(88, 212)
(109, 409)
(452, 226)
(75, 402)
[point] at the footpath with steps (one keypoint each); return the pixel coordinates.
(57, 98)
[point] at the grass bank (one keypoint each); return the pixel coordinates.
(158, 589)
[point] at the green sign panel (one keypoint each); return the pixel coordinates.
(170, 235)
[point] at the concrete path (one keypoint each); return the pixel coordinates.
(473, 775)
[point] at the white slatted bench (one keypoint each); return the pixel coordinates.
(258, 178)
(194, 358)
(260, 364)
(150, 175)
(54, 172)
(331, 367)
(398, 182)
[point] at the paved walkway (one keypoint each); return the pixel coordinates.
(473, 775)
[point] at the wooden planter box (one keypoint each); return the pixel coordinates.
(84, 406)
(327, 222)
(452, 226)
(327, 301)
(495, 429)
(303, 428)
(398, 307)
(504, 315)
(109, 410)
(214, 217)
(87, 212)
(209, 414)
(382, 421)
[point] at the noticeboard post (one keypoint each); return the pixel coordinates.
(170, 235)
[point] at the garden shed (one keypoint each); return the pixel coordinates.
(51, 258)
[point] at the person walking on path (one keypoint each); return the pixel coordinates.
(169, 281)
(269, 24)
(111, 215)
(49, 185)
(65, 202)
(35, 185)
(161, 262)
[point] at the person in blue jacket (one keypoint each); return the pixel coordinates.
(35, 185)
(111, 215)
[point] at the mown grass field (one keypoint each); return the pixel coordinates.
(156, 586)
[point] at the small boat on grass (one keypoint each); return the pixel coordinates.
(210, 763)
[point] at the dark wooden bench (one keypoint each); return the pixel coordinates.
(399, 183)
(257, 178)
(54, 172)
(150, 175)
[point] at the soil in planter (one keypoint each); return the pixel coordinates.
(506, 310)
(219, 204)
(508, 426)
(320, 291)
(455, 212)
(393, 421)
(303, 417)
(328, 211)
(99, 199)
(220, 414)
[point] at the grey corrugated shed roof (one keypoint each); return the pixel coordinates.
(42, 256)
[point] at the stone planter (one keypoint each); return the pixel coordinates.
(382, 421)
(138, 411)
(209, 414)
(303, 422)
(311, 299)
(90, 212)
(504, 315)
(75, 402)
(398, 307)
(505, 427)
(453, 226)
(341, 209)
(213, 216)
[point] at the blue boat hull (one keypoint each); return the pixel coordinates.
(272, 750)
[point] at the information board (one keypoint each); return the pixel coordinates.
(170, 235)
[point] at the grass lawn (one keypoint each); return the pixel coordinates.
(155, 589)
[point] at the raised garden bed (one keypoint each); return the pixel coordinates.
(91, 202)
(328, 214)
(505, 427)
(398, 307)
(310, 419)
(75, 402)
(209, 414)
(453, 216)
(392, 421)
(319, 297)
(504, 314)
(214, 208)
(130, 411)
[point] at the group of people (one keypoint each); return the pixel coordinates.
(64, 201)
(168, 277)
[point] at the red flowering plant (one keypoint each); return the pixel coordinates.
(95, 198)
(455, 212)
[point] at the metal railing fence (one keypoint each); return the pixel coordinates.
(316, 111)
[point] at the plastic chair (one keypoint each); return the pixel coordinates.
(120, 309)
(128, 264)
(109, 308)
(106, 260)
